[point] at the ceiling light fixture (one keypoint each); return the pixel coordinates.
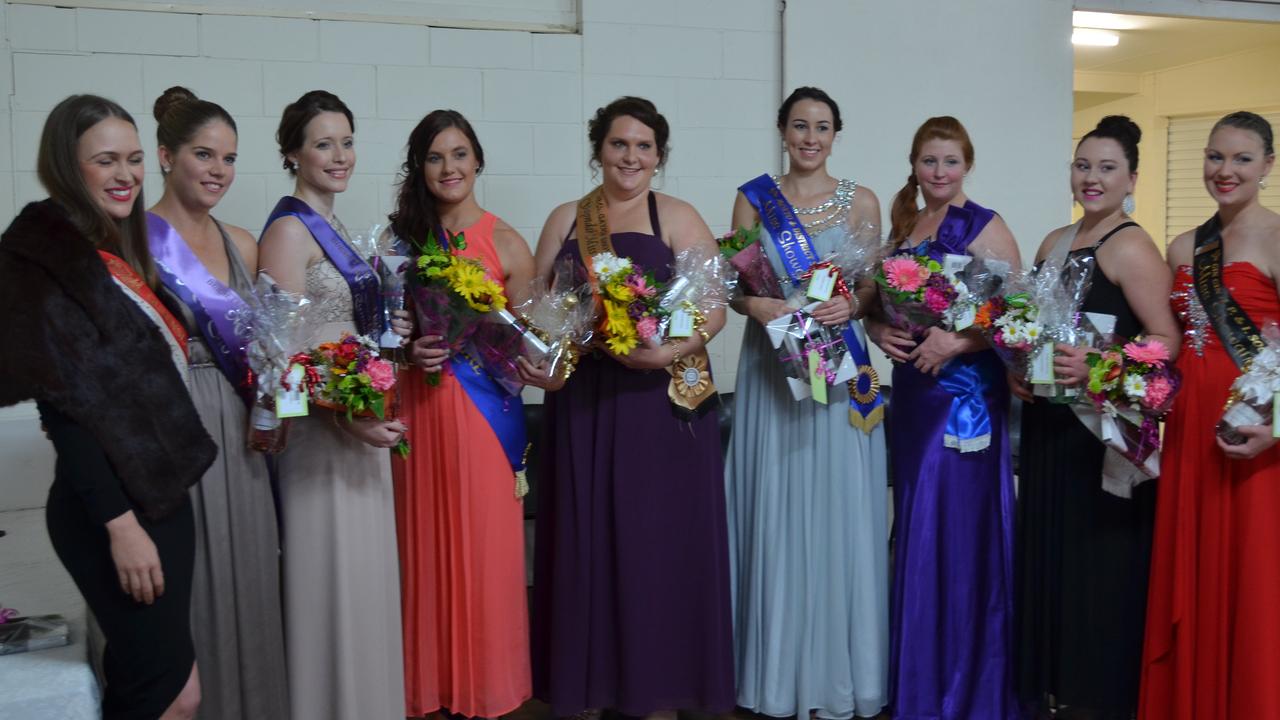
(1101, 21)
(1094, 37)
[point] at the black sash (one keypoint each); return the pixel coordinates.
(1236, 331)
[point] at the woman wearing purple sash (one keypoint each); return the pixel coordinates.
(206, 266)
(341, 570)
(951, 602)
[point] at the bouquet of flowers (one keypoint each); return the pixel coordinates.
(743, 251)
(1252, 397)
(385, 254)
(629, 303)
(348, 376)
(1010, 320)
(1132, 386)
(272, 323)
(917, 292)
(452, 294)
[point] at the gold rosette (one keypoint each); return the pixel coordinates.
(691, 384)
(865, 397)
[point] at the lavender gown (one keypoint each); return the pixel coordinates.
(631, 582)
(951, 606)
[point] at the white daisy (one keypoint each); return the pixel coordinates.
(607, 265)
(1135, 386)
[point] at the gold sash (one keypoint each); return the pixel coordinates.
(690, 384)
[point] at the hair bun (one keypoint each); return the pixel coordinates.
(170, 99)
(1120, 126)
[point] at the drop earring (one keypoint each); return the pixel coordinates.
(1128, 206)
(1262, 182)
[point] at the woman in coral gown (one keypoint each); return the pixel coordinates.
(460, 522)
(1212, 628)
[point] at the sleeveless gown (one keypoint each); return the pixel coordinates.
(808, 541)
(341, 573)
(631, 584)
(1210, 651)
(461, 533)
(235, 595)
(1082, 555)
(951, 603)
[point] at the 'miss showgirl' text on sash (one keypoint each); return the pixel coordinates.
(210, 301)
(366, 299)
(795, 247)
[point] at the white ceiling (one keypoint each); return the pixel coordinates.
(1159, 43)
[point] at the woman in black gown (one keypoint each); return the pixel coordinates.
(1083, 551)
(90, 341)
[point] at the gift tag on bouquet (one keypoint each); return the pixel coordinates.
(292, 402)
(681, 325)
(953, 264)
(821, 284)
(817, 378)
(966, 316)
(1275, 415)
(1042, 365)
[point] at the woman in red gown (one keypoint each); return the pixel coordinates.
(1212, 647)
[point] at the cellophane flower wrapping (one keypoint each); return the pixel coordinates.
(858, 253)
(1057, 292)
(743, 251)
(351, 377)
(1252, 396)
(1132, 385)
(273, 324)
(388, 258)
(556, 321)
(797, 335)
(702, 281)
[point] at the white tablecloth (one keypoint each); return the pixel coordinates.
(53, 684)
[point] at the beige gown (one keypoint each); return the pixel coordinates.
(341, 570)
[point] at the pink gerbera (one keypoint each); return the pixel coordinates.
(1150, 352)
(905, 274)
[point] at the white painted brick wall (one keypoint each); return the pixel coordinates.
(37, 27)
(712, 67)
(147, 33)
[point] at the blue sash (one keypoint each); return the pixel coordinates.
(366, 299)
(866, 405)
(502, 410)
(968, 427)
(209, 299)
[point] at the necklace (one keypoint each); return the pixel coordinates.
(836, 207)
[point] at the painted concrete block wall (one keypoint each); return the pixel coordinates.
(711, 67)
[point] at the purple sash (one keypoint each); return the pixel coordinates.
(208, 298)
(366, 299)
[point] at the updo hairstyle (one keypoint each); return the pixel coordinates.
(180, 115)
(808, 93)
(293, 122)
(636, 107)
(1124, 131)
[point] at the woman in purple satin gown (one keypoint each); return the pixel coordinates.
(631, 586)
(951, 602)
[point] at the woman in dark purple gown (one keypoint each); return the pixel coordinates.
(631, 586)
(951, 601)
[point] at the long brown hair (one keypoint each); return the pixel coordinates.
(416, 214)
(904, 211)
(58, 167)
